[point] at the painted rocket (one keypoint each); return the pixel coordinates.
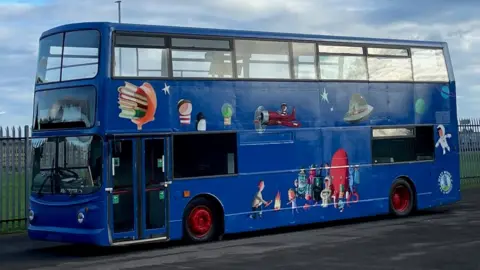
(339, 173)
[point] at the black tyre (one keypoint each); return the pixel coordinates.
(201, 221)
(402, 198)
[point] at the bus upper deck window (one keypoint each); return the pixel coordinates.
(68, 56)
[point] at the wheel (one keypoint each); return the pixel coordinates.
(401, 198)
(201, 221)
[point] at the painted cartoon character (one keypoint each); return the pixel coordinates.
(353, 181)
(312, 173)
(442, 140)
(258, 202)
(301, 184)
(201, 122)
(283, 109)
(326, 192)
(184, 107)
(292, 200)
(351, 177)
(341, 198)
(317, 190)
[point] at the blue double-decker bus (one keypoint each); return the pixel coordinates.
(148, 133)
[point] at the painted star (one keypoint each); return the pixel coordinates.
(325, 96)
(331, 109)
(166, 89)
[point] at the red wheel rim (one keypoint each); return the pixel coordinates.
(200, 221)
(401, 198)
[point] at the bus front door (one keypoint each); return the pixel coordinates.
(137, 190)
(122, 189)
(153, 190)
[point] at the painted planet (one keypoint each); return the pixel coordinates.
(420, 106)
(445, 92)
(227, 110)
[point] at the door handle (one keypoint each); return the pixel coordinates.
(113, 166)
(165, 184)
(109, 190)
(163, 163)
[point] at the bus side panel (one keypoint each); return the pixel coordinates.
(288, 200)
(272, 163)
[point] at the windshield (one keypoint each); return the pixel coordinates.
(68, 56)
(64, 108)
(67, 165)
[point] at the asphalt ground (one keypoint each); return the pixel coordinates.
(443, 238)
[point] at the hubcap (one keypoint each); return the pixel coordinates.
(401, 198)
(200, 221)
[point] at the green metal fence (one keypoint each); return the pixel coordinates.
(469, 143)
(15, 174)
(14, 178)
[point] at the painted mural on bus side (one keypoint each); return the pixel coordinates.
(137, 103)
(258, 203)
(358, 109)
(227, 113)
(324, 185)
(442, 139)
(264, 118)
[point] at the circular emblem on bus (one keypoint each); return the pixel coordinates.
(445, 182)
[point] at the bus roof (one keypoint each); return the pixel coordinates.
(177, 30)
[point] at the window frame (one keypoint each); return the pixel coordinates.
(315, 60)
(166, 46)
(388, 56)
(364, 45)
(231, 44)
(444, 60)
(412, 137)
(236, 155)
(289, 57)
(340, 44)
(94, 122)
(63, 34)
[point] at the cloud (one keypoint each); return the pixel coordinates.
(457, 22)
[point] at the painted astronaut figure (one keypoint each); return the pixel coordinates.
(442, 140)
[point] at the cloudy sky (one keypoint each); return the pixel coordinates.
(454, 21)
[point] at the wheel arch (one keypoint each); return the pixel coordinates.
(412, 185)
(220, 210)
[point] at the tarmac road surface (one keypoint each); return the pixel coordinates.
(446, 238)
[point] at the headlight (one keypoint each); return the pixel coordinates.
(80, 217)
(31, 215)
